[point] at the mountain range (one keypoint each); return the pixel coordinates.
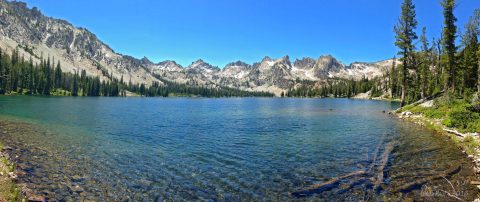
(37, 36)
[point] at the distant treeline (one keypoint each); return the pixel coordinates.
(333, 87)
(170, 87)
(20, 76)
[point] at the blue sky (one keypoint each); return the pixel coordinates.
(222, 31)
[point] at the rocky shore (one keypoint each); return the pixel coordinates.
(10, 189)
(468, 142)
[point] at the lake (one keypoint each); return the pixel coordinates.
(236, 149)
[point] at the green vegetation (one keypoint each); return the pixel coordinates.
(9, 191)
(21, 77)
(175, 89)
(336, 88)
(453, 112)
(436, 65)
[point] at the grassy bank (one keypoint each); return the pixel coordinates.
(9, 191)
(457, 117)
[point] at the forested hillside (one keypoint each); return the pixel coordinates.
(20, 76)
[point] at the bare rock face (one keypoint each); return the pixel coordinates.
(76, 48)
(37, 36)
(305, 63)
(325, 65)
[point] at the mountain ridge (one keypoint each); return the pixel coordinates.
(37, 35)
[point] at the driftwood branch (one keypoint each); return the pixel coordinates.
(409, 186)
(327, 185)
(375, 154)
(374, 175)
(453, 188)
(454, 132)
(383, 164)
(451, 195)
(412, 175)
(418, 151)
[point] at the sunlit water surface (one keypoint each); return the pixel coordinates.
(223, 149)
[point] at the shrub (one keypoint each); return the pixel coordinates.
(447, 122)
(471, 144)
(446, 100)
(435, 113)
(469, 94)
(462, 118)
(474, 126)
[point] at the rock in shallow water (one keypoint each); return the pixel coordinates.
(77, 189)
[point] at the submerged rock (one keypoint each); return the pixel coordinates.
(77, 189)
(36, 199)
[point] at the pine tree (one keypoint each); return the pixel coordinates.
(58, 75)
(393, 78)
(449, 35)
(478, 70)
(75, 84)
(469, 53)
(405, 35)
(425, 63)
(31, 84)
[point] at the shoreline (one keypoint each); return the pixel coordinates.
(9, 190)
(468, 143)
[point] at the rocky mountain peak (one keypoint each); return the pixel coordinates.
(202, 65)
(285, 60)
(147, 61)
(169, 65)
(199, 61)
(305, 63)
(237, 64)
(266, 59)
(169, 62)
(328, 63)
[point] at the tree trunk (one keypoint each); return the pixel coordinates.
(478, 70)
(453, 77)
(404, 81)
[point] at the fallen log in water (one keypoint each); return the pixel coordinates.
(418, 151)
(330, 184)
(409, 186)
(353, 183)
(375, 154)
(383, 163)
(364, 175)
(459, 134)
(413, 175)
